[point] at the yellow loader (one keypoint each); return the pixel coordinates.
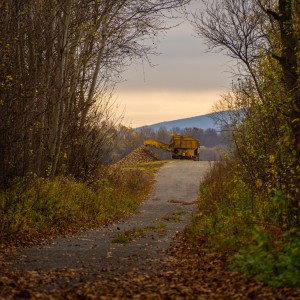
(181, 147)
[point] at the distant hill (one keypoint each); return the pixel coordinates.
(203, 122)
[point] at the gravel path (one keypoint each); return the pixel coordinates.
(166, 211)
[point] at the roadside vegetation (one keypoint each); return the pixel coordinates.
(249, 205)
(253, 229)
(35, 206)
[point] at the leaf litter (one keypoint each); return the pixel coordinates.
(183, 273)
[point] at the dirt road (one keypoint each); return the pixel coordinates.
(166, 211)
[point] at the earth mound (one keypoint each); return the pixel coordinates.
(139, 155)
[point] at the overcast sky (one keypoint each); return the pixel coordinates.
(185, 82)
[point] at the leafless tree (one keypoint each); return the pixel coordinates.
(236, 27)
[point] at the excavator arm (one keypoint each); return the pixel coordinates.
(158, 145)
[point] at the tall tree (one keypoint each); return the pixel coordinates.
(263, 37)
(60, 62)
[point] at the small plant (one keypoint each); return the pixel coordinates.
(174, 217)
(159, 228)
(138, 233)
(122, 239)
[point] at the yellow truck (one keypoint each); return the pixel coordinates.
(181, 147)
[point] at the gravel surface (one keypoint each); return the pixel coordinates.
(166, 211)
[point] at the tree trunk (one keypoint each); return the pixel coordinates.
(289, 64)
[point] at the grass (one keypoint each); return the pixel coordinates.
(121, 239)
(172, 219)
(159, 228)
(175, 217)
(34, 206)
(133, 234)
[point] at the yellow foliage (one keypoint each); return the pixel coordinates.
(259, 183)
(272, 158)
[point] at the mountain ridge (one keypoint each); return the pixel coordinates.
(203, 121)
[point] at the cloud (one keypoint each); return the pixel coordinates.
(185, 82)
(184, 64)
(150, 107)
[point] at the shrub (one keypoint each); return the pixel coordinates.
(274, 262)
(242, 219)
(36, 205)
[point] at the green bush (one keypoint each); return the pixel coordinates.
(274, 262)
(251, 225)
